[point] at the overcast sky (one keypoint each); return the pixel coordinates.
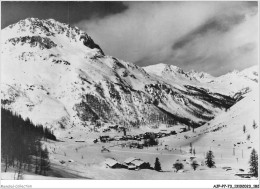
(215, 37)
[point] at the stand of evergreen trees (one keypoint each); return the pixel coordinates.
(21, 144)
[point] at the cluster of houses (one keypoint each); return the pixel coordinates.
(139, 137)
(131, 163)
(115, 128)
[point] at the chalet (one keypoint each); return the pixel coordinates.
(164, 134)
(160, 135)
(104, 138)
(141, 136)
(106, 130)
(136, 163)
(117, 138)
(136, 145)
(183, 130)
(123, 138)
(114, 164)
(140, 164)
(140, 146)
(149, 134)
(129, 160)
(129, 137)
(137, 138)
(113, 127)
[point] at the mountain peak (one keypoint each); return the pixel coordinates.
(199, 75)
(162, 68)
(34, 27)
(174, 71)
(172, 68)
(49, 27)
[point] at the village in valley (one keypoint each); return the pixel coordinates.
(168, 152)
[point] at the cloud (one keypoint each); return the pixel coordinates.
(193, 35)
(219, 24)
(220, 50)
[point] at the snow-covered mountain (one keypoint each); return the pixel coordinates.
(176, 73)
(176, 76)
(229, 84)
(236, 82)
(58, 76)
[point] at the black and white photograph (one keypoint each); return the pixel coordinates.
(130, 90)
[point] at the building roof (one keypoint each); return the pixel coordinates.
(130, 159)
(111, 162)
(137, 162)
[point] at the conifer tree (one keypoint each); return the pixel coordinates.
(253, 162)
(244, 129)
(46, 161)
(190, 148)
(157, 165)
(194, 165)
(210, 159)
(254, 124)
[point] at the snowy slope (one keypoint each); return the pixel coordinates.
(228, 84)
(229, 125)
(224, 135)
(56, 75)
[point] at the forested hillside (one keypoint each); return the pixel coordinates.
(21, 144)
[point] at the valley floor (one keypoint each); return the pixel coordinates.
(84, 160)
